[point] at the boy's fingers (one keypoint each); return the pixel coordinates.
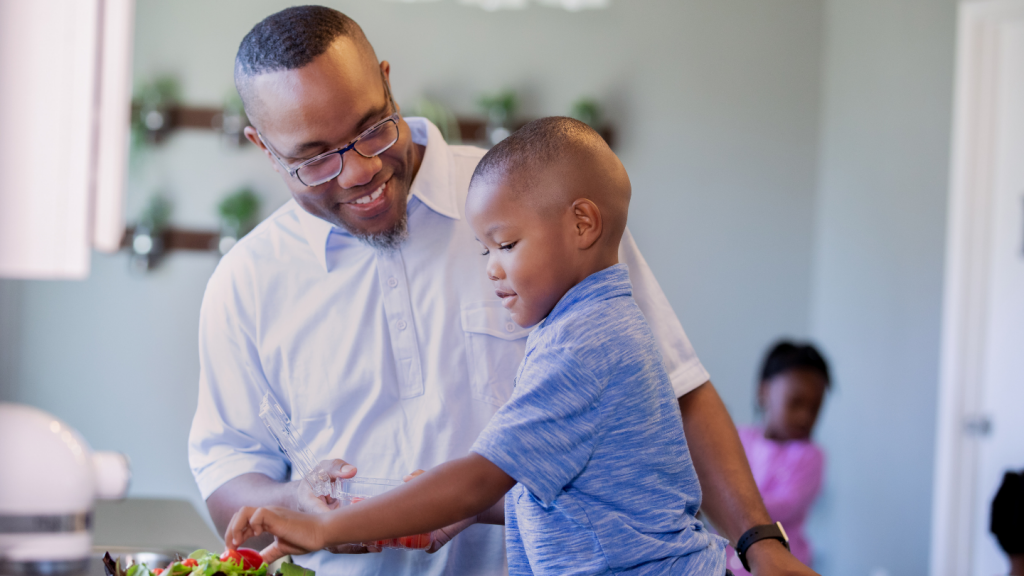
(263, 520)
(272, 553)
(236, 528)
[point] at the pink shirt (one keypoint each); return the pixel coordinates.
(789, 475)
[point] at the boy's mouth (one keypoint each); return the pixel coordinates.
(507, 298)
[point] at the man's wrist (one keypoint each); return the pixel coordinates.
(764, 552)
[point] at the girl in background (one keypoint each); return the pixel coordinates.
(787, 465)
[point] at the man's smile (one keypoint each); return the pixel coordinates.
(372, 203)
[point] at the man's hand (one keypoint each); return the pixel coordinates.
(307, 501)
(770, 558)
(313, 504)
(294, 532)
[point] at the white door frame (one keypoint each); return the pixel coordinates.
(965, 302)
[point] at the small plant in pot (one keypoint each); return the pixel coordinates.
(239, 213)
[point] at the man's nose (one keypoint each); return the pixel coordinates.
(358, 171)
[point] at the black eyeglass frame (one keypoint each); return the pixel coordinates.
(294, 172)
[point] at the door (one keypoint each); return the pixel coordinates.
(981, 422)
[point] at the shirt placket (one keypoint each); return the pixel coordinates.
(398, 310)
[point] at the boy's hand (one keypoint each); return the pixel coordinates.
(294, 532)
(309, 502)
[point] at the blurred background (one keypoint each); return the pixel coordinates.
(789, 161)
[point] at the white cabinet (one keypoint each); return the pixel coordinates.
(65, 96)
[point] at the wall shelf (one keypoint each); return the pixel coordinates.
(180, 239)
(471, 129)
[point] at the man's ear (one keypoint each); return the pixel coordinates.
(252, 136)
(588, 222)
(385, 70)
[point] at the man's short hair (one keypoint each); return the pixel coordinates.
(288, 40)
(542, 141)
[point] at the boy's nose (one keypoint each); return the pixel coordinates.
(357, 171)
(494, 271)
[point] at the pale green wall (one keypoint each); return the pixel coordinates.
(877, 283)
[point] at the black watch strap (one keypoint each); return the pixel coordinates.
(757, 533)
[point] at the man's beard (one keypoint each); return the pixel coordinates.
(388, 240)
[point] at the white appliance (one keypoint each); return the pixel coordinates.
(49, 478)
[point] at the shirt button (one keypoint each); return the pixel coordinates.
(510, 327)
(401, 325)
(392, 281)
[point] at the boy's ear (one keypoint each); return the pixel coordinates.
(588, 222)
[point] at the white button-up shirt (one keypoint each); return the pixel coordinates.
(390, 361)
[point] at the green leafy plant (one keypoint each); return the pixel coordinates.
(151, 104)
(239, 211)
(156, 214)
(499, 107)
(588, 111)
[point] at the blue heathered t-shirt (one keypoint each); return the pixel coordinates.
(594, 438)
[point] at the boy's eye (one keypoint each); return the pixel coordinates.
(507, 246)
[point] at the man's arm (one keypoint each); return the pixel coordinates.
(252, 489)
(257, 490)
(730, 496)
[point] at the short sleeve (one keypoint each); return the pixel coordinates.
(544, 435)
(680, 360)
(228, 438)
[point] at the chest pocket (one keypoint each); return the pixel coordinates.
(494, 348)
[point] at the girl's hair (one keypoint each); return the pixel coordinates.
(786, 355)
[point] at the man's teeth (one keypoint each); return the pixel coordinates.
(367, 199)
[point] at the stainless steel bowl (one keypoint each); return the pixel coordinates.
(129, 556)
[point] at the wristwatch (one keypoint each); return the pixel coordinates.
(757, 533)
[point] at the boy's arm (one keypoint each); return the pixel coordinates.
(442, 496)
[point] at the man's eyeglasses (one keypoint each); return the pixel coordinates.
(321, 168)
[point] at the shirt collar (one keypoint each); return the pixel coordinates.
(432, 186)
(608, 283)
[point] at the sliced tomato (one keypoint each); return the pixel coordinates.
(157, 571)
(233, 556)
(189, 562)
(251, 558)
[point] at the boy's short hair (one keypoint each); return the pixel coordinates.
(535, 145)
(1008, 514)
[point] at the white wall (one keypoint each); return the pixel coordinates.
(715, 108)
(877, 282)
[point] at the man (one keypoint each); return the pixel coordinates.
(363, 307)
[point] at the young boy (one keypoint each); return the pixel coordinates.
(590, 447)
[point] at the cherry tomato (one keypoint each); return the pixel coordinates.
(233, 555)
(189, 562)
(157, 571)
(251, 558)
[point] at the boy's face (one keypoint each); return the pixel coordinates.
(530, 255)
